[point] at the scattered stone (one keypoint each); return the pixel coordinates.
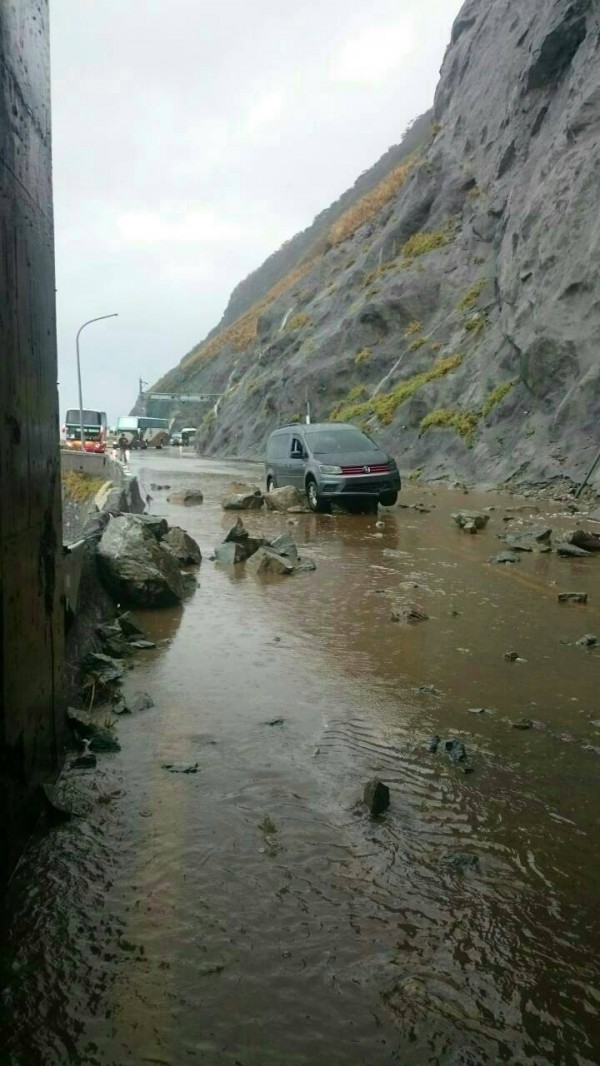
(183, 546)
(434, 744)
(519, 543)
(302, 509)
(186, 497)
(430, 690)
(409, 614)
(140, 701)
(522, 723)
(471, 521)
(268, 561)
(504, 557)
(244, 501)
(238, 534)
(285, 545)
(588, 641)
(460, 861)
(304, 565)
(283, 498)
(572, 597)
(159, 488)
(376, 796)
(56, 809)
(156, 525)
(480, 710)
(276, 721)
(594, 516)
(102, 668)
(142, 643)
(136, 568)
(511, 656)
(267, 825)
(87, 761)
(380, 525)
(589, 542)
(229, 554)
(91, 734)
(456, 750)
(181, 768)
(129, 628)
(420, 508)
(567, 550)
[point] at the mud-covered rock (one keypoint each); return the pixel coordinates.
(408, 614)
(183, 546)
(244, 501)
(376, 797)
(268, 561)
(471, 521)
(283, 498)
(136, 568)
(572, 597)
(186, 497)
(590, 542)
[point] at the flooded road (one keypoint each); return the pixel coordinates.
(250, 914)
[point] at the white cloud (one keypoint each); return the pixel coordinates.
(264, 111)
(153, 227)
(370, 57)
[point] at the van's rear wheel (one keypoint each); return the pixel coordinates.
(271, 484)
(388, 499)
(315, 502)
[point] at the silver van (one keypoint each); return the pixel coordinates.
(329, 459)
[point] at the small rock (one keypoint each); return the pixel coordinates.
(376, 796)
(181, 768)
(87, 761)
(380, 525)
(229, 554)
(588, 641)
(142, 644)
(504, 557)
(283, 498)
(304, 565)
(409, 614)
(186, 497)
(471, 519)
(479, 710)
(456, 750)
(140, 701)
(268, 561)
(267, 825)
(511, 656)
(522, 723)
(91, 734)
(430, 690)
(183, 546)
(129, 628)
(589, 542)
(276, 721)
(56, 809)
(434, 744)
(242, 501)
(567, 550)
(572, 597)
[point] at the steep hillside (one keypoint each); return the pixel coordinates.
(454, 309)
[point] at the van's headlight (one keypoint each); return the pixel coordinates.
(327, 470)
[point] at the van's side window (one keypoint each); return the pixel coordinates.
(297, 448)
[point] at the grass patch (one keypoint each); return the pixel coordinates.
(470, 298)
(370, 204)
(462, 422)
(425, 242)
(298, 321)
(477, 324)
(495, 397)
(384, 406)
(413, 327)
(79, 486)
(465, 422)
(416, 344)
(363, 355)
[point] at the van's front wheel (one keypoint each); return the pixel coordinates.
(270, 484)
(388, 499)
(315, 502)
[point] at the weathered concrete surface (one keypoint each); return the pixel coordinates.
(31, 625)
(120, 491)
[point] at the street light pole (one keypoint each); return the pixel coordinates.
(88, 323)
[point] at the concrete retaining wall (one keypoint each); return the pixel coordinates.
(31, 584)
(95, 465)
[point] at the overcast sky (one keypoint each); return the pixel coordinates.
(191, 138)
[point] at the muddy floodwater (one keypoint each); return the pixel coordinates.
(250, 913)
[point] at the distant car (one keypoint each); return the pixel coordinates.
(328, 460)
(175, 438)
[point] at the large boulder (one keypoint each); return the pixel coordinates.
(158, 526)
(186, 497)
(134, 566)
(183, 546)
(244, 501)
(268, 561)
(282, 499)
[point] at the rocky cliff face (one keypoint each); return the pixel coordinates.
(454, 309)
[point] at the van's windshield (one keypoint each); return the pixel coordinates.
(324, 442)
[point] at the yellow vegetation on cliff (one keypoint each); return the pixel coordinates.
(371, 203)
